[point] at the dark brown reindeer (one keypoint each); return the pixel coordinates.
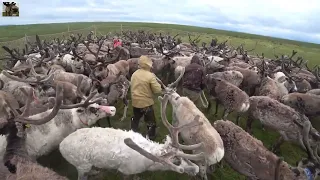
(248, 156)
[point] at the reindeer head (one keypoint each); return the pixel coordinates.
(306, 168)
(14, 7)
(100, 72)
(91, 114)
(77, 66)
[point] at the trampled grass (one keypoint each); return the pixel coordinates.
(266, 45)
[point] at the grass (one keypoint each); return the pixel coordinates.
(266, 45)
(4, 15)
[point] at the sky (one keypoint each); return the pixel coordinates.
(289, 19)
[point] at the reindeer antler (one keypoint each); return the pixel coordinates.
(22, 117)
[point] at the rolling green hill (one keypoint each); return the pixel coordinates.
(267, 45)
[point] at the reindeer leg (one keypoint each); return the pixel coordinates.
(109, 122)
(305, 134)
(125, 109)
(275, 147)
(315, 152)
(203, 170)
(82, 176)
(238, 118)
(126, 177)
(211, 169)
(249, 123)
(220, 164)
(217, 108)
(98, 124)
(226, 112)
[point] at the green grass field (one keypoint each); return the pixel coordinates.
(266, 45)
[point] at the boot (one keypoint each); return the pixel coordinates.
(151, 133)
(134, 125)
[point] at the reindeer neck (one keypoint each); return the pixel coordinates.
(174, 99)
(15, 144)
(113, 96)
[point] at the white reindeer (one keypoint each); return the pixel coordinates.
(68, 119)
(127, 151)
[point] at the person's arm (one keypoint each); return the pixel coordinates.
(155, 86)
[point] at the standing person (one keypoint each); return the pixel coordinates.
(194, 80)
(143, 87)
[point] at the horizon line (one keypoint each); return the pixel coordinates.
(150, 22)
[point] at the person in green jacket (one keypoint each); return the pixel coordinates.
(143, 88)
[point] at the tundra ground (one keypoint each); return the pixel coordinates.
(265, 45)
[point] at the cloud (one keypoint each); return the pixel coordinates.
(290, 19)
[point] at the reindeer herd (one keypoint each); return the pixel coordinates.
(52, 92)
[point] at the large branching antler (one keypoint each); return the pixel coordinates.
(174, 131)
(23, 116)
(13, 54)
(40, 78)
(38, 41)
(87, 101)
(171, 86)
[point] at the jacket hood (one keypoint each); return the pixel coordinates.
(145, 62)
(196, 59)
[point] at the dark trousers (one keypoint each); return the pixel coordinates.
(149, 118)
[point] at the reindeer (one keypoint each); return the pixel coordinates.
(292, 125)
(67, 120)
(248, 156)
(121, 150)
(230, 96)
(184, 111)
(304, 103)
(72, 93)
(18, 164)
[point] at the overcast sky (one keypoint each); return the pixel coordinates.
(290, 19)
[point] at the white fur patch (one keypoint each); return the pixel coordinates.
(245, 106)
(217, 157)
